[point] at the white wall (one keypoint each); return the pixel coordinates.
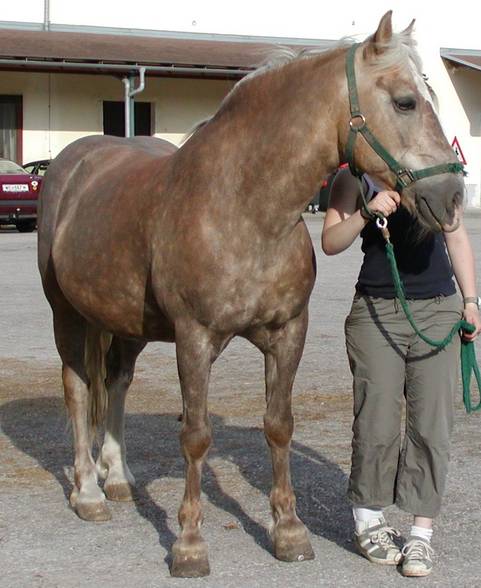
(70, 106)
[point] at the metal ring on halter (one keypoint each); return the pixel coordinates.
(381, 223)
(361, 125)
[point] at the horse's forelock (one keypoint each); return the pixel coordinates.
(399, 52)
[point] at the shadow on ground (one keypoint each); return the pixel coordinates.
(37, 428)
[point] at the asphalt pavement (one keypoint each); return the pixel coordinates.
(44, 544)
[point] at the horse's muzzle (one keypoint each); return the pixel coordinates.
(439, 201)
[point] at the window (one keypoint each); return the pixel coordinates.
(114, 118)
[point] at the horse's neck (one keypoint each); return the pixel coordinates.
(274, 141)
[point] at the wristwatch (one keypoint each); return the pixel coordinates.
(472, 300)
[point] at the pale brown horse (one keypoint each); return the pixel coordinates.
(139, 242)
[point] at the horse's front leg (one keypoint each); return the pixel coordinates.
(283, 350)
(196, 351)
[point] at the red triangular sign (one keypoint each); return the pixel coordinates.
(457, 149)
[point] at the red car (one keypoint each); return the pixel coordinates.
(18, 196)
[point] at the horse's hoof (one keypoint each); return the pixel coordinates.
(300, 552)
(189, 560)
(119, 492)
(93, 511)
(291, 543)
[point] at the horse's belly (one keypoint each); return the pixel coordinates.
(116, 312)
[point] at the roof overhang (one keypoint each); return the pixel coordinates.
(463, 57)
(122, 51)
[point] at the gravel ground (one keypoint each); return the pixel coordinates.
(44, 544)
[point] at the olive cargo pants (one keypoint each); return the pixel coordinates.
(390, 363)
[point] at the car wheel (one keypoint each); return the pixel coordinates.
(26, 226)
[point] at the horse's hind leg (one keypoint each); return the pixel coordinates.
(87, 498)
(283, 350)
(196, 351)
(112, 463)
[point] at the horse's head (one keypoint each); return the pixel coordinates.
(395, 106)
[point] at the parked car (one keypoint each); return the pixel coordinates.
(320, 202)
(37, 168)
(18, 196)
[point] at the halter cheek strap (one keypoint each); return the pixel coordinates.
(357, 124)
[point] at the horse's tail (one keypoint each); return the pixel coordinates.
(97, 345)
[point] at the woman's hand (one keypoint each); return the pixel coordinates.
(385, 202)
(471, 315)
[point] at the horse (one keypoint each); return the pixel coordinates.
(141, 241)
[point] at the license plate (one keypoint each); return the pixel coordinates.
(15, 187)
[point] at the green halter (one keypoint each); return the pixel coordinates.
(404, 176)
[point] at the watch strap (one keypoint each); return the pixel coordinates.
(365, 214)
(472, 300)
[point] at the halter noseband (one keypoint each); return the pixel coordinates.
(357, 124)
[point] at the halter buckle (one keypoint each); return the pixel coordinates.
(357, 127)
(402, 174)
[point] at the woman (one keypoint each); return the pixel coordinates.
(390, 362)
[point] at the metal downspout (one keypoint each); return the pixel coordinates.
(129, 104)
(46, 15)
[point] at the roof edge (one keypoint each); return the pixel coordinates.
(98, 30)
(462, 57)
(457, 51)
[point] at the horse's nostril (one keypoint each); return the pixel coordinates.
(458, 199)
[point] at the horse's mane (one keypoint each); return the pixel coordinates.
(196, 128)
(396, 54)
(400, 52)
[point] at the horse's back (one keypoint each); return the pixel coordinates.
(91, 165)
(106, 154)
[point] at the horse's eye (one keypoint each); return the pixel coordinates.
(405, 103)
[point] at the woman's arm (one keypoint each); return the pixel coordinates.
(462, 259)
(343, 221)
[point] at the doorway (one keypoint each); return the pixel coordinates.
(11, 127)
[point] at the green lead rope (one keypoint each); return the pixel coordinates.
(469, 364)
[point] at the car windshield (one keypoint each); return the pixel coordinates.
(9, 167)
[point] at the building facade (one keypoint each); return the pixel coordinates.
(63, 65)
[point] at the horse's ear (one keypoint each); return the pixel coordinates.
(409, 29)
(380, 40)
